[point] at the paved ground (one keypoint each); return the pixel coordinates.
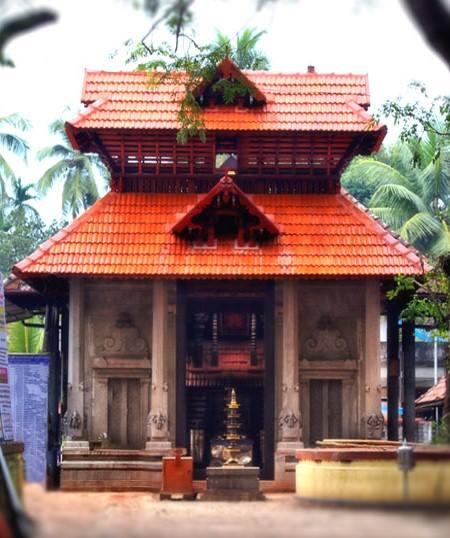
(136, 515)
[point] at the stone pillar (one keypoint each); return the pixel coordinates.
(372, 419)
(158, 431)
(289, 420)
(393, 369)
(409, 381)
(76, 423)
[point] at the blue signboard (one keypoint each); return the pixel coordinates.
(28, 380)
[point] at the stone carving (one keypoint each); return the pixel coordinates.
(75, 421)
(326, 342)
(123, 340)
(157, 420)
(373, 425)
(290, 425)
(289, 420)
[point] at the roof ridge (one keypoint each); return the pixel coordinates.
(61, 235)
(364, 215)
(249, 71)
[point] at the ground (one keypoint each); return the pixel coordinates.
(135, 515)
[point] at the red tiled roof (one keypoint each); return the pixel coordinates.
(434, 394)
(129, 235)
(295, 102)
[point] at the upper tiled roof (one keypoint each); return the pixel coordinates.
(295, 102)
(129, 235)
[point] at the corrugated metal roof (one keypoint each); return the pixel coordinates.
(129, 235)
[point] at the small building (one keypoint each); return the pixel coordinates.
(430, 404)
(234, 262)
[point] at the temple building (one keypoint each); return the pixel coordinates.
(237, 262)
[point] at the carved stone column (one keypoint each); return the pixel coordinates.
(158, 431)
(289, 420)
(76, 427)
(372, 419)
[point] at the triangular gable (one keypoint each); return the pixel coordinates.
(226, 199)
(228, 70)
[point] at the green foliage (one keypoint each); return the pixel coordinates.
(10, 141)
(441, 435)
(428, 302)
(20, 235)
(75, 169)
(409, 185)
(244, 53)
(357, 184)
(198, 66)
(25, 339)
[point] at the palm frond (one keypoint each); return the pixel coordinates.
(398, 197)
(88, 178)
(6, 172)
(51, 175)
(379, 172)
(15, 144)
(393, 218)
(420, 227)
(17, 121)
(441, 246)
(52, 152)
(435, 178)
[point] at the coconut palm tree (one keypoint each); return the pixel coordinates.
(17, 203)
(412, 191)
(244, 53)
(78, 171)
(13, 143)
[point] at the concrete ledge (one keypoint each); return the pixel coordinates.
(376, 481)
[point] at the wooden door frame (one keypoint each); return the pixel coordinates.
(267, 472)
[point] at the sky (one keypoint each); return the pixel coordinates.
(340, 36)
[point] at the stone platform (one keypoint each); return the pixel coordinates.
(110, 470)
(232, 483)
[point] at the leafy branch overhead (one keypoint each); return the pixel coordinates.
(198, 67)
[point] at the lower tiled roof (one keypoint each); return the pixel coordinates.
(129, 235)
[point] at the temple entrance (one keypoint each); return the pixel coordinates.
(228, 344)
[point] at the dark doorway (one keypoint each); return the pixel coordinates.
(225, 341)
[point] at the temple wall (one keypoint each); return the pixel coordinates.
(122, 358)
(110, 359)
(327, 363)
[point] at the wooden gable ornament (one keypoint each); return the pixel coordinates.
(209, 91)
(226, 212)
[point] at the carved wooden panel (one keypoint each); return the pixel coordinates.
(325, 410)
(124, 413)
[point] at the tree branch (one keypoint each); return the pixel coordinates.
(433, 19)
(20, 24)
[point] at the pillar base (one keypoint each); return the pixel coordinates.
(158, 448)
(285, 463)
(76, 445)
